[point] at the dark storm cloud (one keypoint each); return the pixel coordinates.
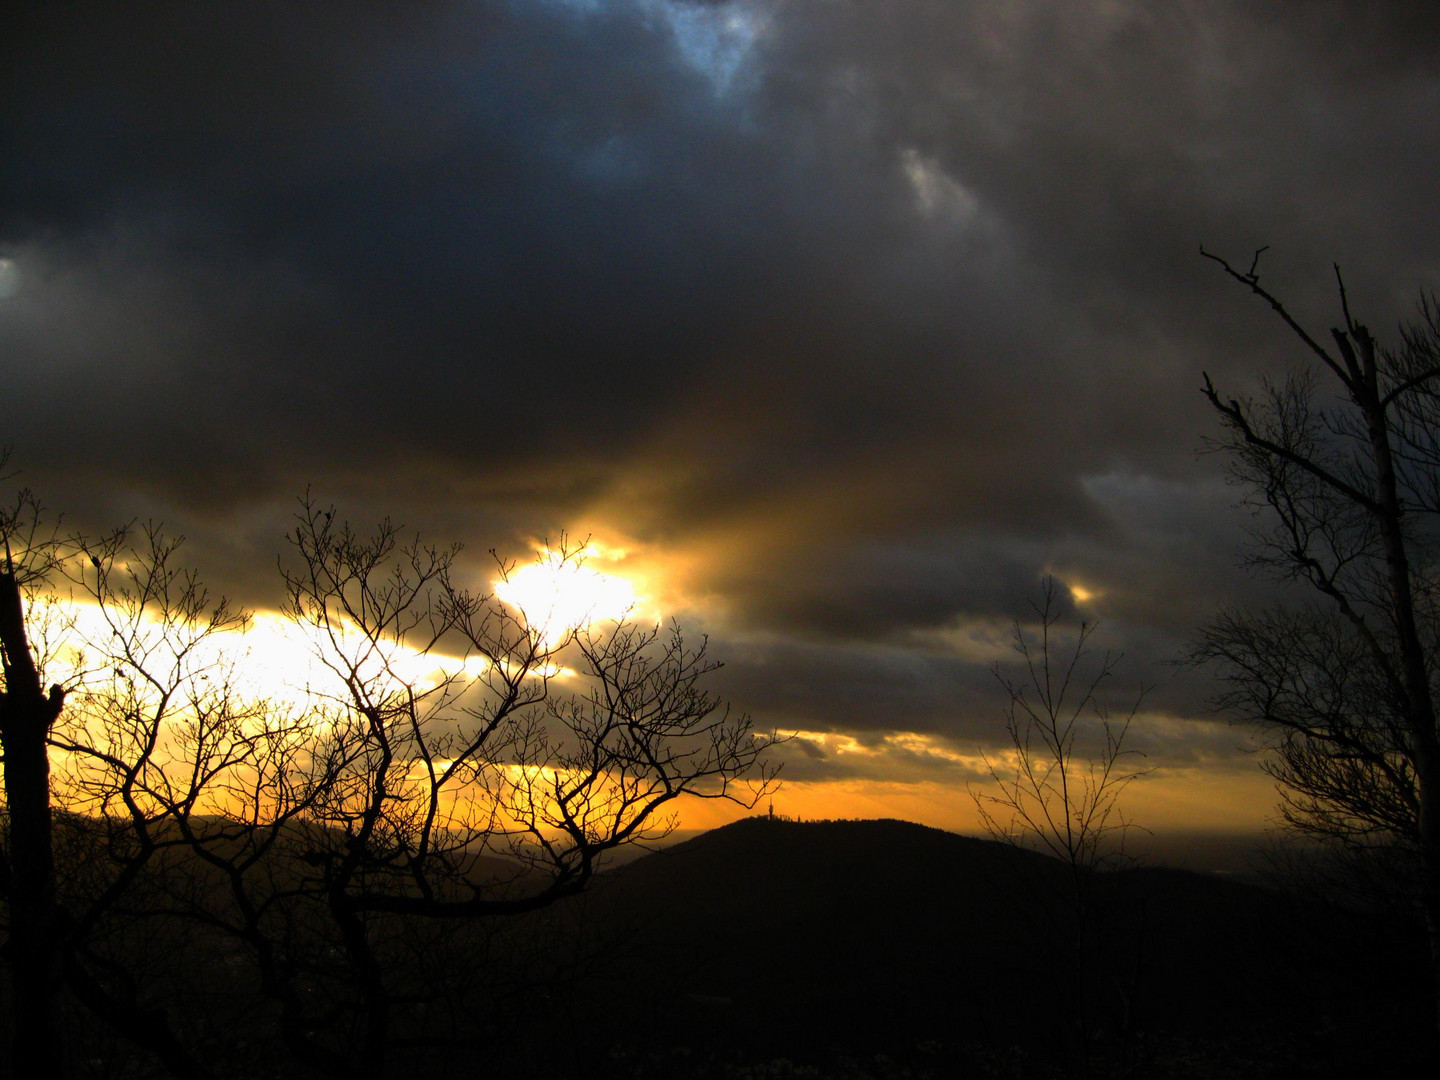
(888, 309)
(854, 687)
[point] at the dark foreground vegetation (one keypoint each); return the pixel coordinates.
(829, 949)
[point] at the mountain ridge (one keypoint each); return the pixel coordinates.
(800, 937)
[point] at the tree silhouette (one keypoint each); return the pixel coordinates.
(336, 845)
(1340, 460)
(51, 919)
(27, 870)
(1048, 794)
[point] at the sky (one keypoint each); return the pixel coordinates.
(836, 326)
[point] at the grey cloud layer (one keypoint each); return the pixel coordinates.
(900, 301)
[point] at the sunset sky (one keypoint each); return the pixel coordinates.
(836, 325)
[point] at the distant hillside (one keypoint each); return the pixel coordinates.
(862, 950)
(797, 938)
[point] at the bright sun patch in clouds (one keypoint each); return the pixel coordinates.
(558, 594)
(271, 658)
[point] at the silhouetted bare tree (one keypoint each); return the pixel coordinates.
(1057, 790)
(1340, 460)
(60, 878)
(442, 743)
(1050, 797)
(27, 869)
(426, 770)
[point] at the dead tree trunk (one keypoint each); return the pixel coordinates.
(26, 713)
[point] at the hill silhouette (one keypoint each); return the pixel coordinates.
(772, 937)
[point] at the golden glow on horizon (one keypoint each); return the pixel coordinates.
(901, 774)
(559, 595)
(1166, 802)
(925, 778)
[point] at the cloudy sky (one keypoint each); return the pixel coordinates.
(836, 324)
